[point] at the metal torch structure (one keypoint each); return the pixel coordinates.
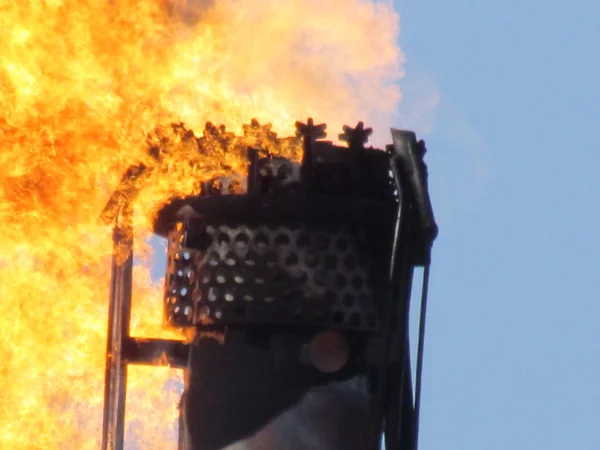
(302, 281)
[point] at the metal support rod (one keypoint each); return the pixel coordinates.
(115, 387)
(420, 350)
(408, 159)
(154, 352)
(398, 386)
(394, 323)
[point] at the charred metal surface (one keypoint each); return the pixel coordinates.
(155, 352)
(356, 137)
(235, 388)
(409, 154)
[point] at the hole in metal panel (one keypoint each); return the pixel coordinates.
(320, 278)
(221, 277)
(355, 319)
(223, 239)
(261, 241)
(282, 240)
(337, 317)
(348, 300)
(331, 261)
(364, 300)
(213, 259)
(242, 239)
(270, 259)
(302, 278)
(357, 282)
(350, 262)
(213, 293)
(311, 259)
(251, 259)
(330, 297)
(231, 259)
(292, 259)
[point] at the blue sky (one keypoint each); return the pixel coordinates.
(508, 94)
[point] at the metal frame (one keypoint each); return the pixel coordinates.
(415, 232)
(121, 348)
(395, 408)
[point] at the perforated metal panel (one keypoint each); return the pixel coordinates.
(238, 273)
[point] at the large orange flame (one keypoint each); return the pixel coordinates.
(82, 83)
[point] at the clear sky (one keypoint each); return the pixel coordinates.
(509, 95)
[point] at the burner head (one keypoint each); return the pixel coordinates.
(308, 244)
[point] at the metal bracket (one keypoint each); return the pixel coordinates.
(410, 175)
(121, 348)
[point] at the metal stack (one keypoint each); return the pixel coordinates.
(302, 281)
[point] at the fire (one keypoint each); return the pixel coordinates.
(83, 83)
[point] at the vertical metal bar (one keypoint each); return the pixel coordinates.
(400, 276)
(115, 384)
(182, 443)
(408, 155)
(420, 349)
(253, 175)
(397, 383)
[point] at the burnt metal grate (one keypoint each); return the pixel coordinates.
(284, 274)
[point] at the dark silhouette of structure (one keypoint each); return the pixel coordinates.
(295, 297)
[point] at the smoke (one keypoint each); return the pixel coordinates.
(189, 11)
(327, 418)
